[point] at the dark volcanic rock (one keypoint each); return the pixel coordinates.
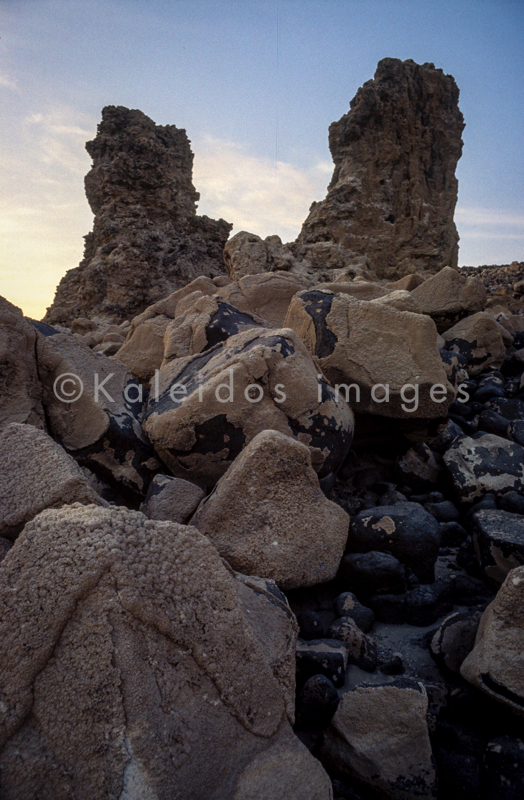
(393, 192)
(147, 240)
(498, 537)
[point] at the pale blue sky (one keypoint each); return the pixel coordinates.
(256, 85)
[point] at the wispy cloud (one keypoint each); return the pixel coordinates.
(256, 194)
(9, 83)
(489, 236)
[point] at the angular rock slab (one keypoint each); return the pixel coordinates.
(171, 499)
(495, 663)
(379, 737)
(20, 389)
(485, 464)
(35, 474)
(498, 538)
(268, 516)
(203, 411)
(404, 530)
(362, 345)
(132, 634)
(448, 296)
(100, 428)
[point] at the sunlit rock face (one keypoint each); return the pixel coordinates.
(147, 239)
(392, 196)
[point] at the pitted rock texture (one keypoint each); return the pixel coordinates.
(135, 664)
(495, 663)
(171, 499)
(20, 390)
(147, 240)
(100, 428)
(205, 408)
(268, 516)
(36, 473)
(363, 347)
(450, 295)
(486, 463)
(393, 192)
(479, 339)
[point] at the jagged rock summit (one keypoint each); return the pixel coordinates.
(389, 207)
(147, 239)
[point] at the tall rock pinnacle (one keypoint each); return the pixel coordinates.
(393, 193)
(147, 239)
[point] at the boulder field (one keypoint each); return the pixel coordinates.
(262, 511)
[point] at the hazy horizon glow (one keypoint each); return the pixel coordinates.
(255, 85)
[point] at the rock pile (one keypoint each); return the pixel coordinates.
(266, 538)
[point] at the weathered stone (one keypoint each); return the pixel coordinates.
(172, 499)
(267, 295)
(379, 738)
(374, 573)
(147, 240)
(207, 407)
(362, 649)
(354, 341)
(479, 340)
(495, 663)
(316, 704)
(455, 639)
(449, 296)
(327, 657)
(418, 468)
(92, 405)
(484, 464)
(247, 254)
(347, 605)
(498, 537)
(268, 516)
(404, 530)
(132, 633)
(143, 351)
(210, 320)
(393, 192)
(36, 473)
(399, 299)
(20, 390)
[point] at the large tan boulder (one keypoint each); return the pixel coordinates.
(36, 473)
(247, 254)
(143, 350)
(479, 339)
(268, 515)
(205, 408)
(135, 664)
(93, 406)
(20, 390)
(379, 738)
(267, 295)
(384, 361)
(495, 663)
(448, 296)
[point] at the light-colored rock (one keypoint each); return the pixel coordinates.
(408, 283)
(268, 516)
(448, 296)
(479, 339)
(495, 663)
(143, 350)
(267, 295)
(172, 499)
(364, 346)
(36, 473)
(206, 408)
(20, 390)
(132, 667)
(92, 405)
(393, 192)
(400, 299)
(247, 254)
(362, 290)
(379, 736)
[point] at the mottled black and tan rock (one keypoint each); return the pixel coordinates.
(483, 464)
(135, 663)
(20, 389)
(479, 339)
(393, 192)
(207, 407)
(365, 346)
(35, 474)
(268, 516)
(147, 239)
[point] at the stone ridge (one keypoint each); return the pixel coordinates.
(393, 191)
(147, 240)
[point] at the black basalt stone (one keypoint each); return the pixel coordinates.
(316, 704)
(318, 305)
(226, 322)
